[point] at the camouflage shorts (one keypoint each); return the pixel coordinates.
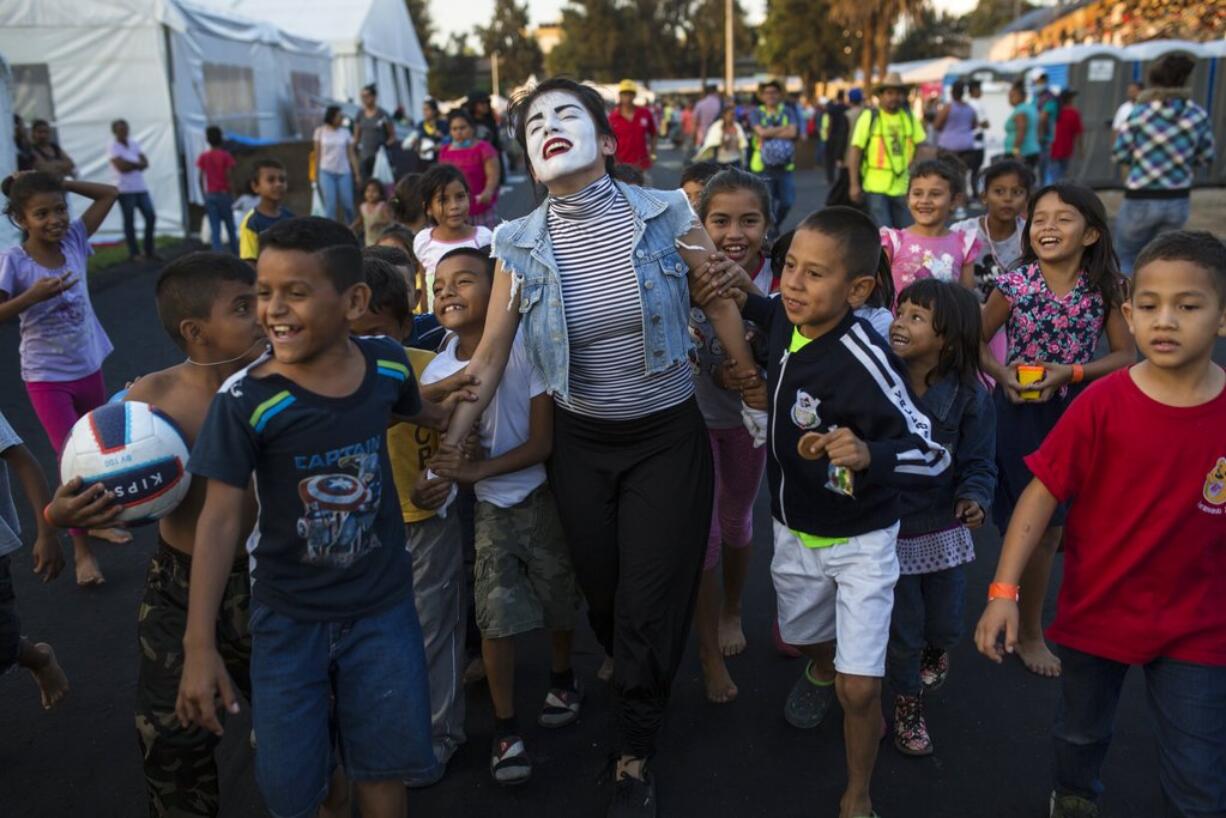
(180, 772)
(523, 575)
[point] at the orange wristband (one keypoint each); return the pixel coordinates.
(1079, 374)
(1002, 590)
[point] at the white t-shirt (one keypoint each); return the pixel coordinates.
(429, 250)
(504, 423)
(132, 181)
(334, 149)
(1121, 116)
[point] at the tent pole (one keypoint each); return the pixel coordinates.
(180, 152)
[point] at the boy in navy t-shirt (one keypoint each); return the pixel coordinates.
(333, 624)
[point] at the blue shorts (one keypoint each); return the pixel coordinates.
(358, 685)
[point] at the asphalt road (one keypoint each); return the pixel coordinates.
(990, 724)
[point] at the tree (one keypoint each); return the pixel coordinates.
(790, 42)
(519, 56)
(989, 16)
(423, 23)
(594, 41)
(704, 37)
(933, 35)
(453, 72)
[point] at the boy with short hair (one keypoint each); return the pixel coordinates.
(335, 636)
(1144, 542)
(215, 165)
(268, 181)
(524, 578)
(15, 649)
(695, 177)
(426, 332)
(206, 303)
(433, 539)
(846, 436)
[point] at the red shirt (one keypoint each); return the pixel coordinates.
(1068, 128)
(633, 136)
(216, 164)
(1145, 538)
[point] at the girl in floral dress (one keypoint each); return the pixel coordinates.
(929, 249)
(1055, 307)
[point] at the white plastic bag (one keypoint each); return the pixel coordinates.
(383, 168)
(317, 203)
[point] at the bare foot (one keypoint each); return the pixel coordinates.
(52, 683)
(475, 671)
(720, 687)
(114, 534)
(1037, 658)
(605, 673)
(731, 637)
(88, 572)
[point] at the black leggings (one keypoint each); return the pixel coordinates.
(635, 500)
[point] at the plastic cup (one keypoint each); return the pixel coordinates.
(1027, 375)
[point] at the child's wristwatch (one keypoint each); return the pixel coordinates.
(1003, 590)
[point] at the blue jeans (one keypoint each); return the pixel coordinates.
(782, 187)
(129, 203)
(1141, 220)
(220, 210)
(1187, 704)
(928, 612)
(337, 188)
(360, 684)
(1057, 169)
(888, 211)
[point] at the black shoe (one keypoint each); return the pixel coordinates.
(634, 797)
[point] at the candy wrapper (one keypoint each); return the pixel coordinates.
(840, 480)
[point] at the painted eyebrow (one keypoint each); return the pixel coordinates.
(557, 110)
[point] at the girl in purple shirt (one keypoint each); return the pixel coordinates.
(43, 280)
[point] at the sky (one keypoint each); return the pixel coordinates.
(450, 16)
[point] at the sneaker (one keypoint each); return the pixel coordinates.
(934, 669)
(1072, 806)
(634, 797)
(561, 706)
(910, 731)
(509, 762)
(808, 703)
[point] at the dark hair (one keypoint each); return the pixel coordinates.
(1101, 264)
(730, 181)
(701, 172)
(212, 135)
(1005, 167)
(948, 168)
(770, 84)
(116, 123)
(1171, 71)
(21, 189)
(883, 289)
(482, 254)
(628, 174)
(374, 92)
(333, 242)
(459, 113)
(406, 201)
(431, 102)
(974, 85)
(956, 318)
(382, 190)
(853, 229)
(589, 98)
(402, 234)
(188, 287)
(958, 89)
(840, 95)
(1199, 247)
(435, 180)
(1020, 87)
(260, 164)
(392, 255)
(389, 292)
(330, 112)
(1066, 97)
(40, 123)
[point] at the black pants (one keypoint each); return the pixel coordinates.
(635, 500)
(974, 161)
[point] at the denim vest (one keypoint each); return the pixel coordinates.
(526, 251)
(964, 422)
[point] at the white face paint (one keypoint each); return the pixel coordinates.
(561, 136)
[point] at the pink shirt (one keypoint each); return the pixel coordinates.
(471, 162)
(914, 257)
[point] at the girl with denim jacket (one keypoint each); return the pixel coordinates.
(937, 334)
(599, 277)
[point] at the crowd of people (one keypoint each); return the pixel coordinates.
(587, 399)
(1124, 22)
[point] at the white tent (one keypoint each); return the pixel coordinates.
(372, 41)
(169, 69)
(8, 150)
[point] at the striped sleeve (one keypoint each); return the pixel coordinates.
(902, 450)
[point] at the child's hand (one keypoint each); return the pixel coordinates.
(51, 286)
(48, 556)
(1009, 382)
(460, 381)
(1000, 615)
(969, 513)
(720, 277)
(472, 445)
(430, 494)
(1054, 377)
(845, 449)
(71, 507)
(747, 382)
(451, 464)
(204, 680)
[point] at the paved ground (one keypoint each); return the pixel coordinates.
(741, 760)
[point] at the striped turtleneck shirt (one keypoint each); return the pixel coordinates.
(593, 244)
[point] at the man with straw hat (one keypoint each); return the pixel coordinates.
(883, 146)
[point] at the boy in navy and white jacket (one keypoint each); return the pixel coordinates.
(846, 438)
